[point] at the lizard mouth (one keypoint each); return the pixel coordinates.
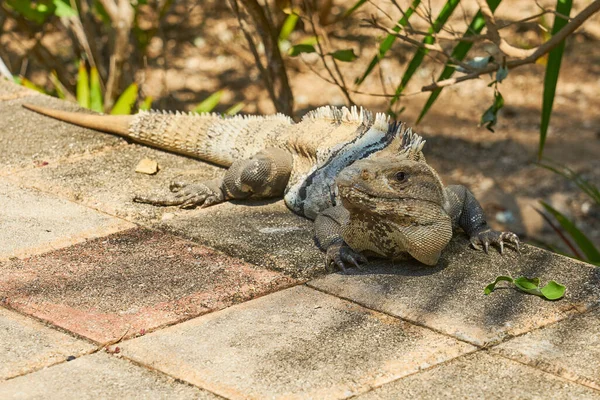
(346, 192)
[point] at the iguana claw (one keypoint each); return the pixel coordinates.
(340, 253)
(490, 236)
(187, 196)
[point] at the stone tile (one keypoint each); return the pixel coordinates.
(449, 297)
(29, 140)
(570, 348)
(27, 345)
(296, 343)
(32, 222)
(98, 376)
(264, 233)
(481, 376)
(10, 90)
(136, 280)
(108, 181)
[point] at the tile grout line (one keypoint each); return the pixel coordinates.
(440, 364)
(485, 346)
(412, 322)
(180, 380)
(546, 371)
(110, 149)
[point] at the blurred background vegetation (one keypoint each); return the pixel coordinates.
(452, 67)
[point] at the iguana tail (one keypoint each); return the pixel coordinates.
(209, 137)
(117, 124)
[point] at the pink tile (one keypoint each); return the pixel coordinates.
(129, 282)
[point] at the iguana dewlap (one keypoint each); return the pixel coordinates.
(362, 179)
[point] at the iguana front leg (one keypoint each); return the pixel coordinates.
(466, 213)
(266, 174)
(328, 236)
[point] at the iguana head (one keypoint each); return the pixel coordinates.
(383, 185)
(397, 205)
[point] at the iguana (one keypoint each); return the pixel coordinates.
(363, 179)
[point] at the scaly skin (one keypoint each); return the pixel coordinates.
(363, 179)
(393, 207)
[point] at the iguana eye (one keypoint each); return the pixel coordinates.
(401, 176)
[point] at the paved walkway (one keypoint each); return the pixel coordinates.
(104, 298)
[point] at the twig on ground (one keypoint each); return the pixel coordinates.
(121, 14)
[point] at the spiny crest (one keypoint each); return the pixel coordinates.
(344, 114)
(212, 115)
(411, 143)
(382, 122)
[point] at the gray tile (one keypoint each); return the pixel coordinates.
(481, 376)
(264, 233)
(32, 222)
(294, 343)
(29, 140)
(98, 376)
(10, 90)
(570, 348)
(27, 345)
(450, 298)
(108, 181)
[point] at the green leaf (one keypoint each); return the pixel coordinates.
(421, 52)
(552, 69)
(531, 286)
(583, 184)
(346, 55)
(83, 86)
(208, 104)
(301, 48)
(58, 86)
(501, 74)
(490, 116)
(355, 7)
(312, 40)
(236, 108)
(553, 290)
(28, 84)
(95, 91)
(288, 26)
(100, 11)
(459, 52)
(34, 12)
(63, 9)
(492, 286)
(477, 63)
(584, 243)
(126, 100)
(388, 41)
(146, 104)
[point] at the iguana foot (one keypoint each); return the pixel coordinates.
(490, 236)
(340, 253)
(187, 196)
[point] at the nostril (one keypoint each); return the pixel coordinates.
(365, 175)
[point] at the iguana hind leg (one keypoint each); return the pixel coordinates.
(466, 213)
(266, 174)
